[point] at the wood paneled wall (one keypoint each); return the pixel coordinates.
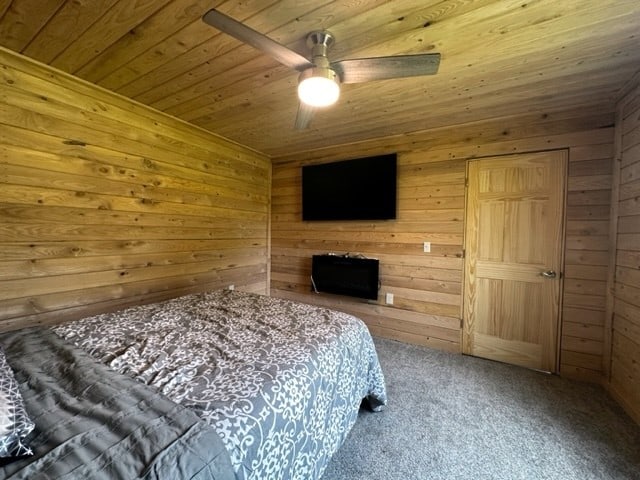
(106, 203)
(625, 336)
(431, 176)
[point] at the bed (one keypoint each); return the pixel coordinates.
(216, 385)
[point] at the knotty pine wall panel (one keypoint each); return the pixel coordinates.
(586, 260)
(427, 287)
(106, 203)
(625, 336)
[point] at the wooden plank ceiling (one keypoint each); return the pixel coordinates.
(500, 58)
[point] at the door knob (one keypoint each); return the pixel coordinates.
(549, 274)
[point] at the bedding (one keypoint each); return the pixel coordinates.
(280, 382)
(94, 423)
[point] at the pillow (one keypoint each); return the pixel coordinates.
(15, 425)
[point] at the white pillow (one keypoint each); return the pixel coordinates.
(15, 424)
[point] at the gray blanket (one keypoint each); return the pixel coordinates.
(94, 423)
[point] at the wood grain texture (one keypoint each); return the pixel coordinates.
(93, 184)
(624, 329)
(105, 203)
(514, 225)
(426, 287)
(494, 62)
(431, 206)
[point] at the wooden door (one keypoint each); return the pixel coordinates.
(514, 239)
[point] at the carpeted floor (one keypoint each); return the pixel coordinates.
(457, 417)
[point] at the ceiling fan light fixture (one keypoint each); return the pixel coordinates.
(319, 82)
(318, 87)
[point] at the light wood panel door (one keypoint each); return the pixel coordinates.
(514, 238)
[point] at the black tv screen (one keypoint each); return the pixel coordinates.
(359, 189)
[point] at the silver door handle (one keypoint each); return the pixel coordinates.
(549, 274)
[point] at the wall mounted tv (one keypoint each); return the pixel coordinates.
(359, 189)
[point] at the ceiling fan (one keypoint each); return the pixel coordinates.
(319, 81)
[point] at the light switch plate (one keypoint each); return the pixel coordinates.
(389, 299)
(427, 247)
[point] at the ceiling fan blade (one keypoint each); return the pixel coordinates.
(257, 40)
(304, 116)
(381, 68)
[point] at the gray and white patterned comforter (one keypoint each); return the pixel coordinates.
(281, 382)
(92, 423)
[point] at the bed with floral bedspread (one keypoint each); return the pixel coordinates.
(281, 382)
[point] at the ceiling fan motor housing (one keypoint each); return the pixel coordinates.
(320, 41)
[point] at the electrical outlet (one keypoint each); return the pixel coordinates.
(389, 299)
(426, 246)
(232, 287)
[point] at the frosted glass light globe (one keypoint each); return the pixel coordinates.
(318, 90)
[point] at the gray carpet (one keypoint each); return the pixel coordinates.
(457, 417)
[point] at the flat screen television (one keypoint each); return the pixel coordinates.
(353, 276)
(359, 189)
